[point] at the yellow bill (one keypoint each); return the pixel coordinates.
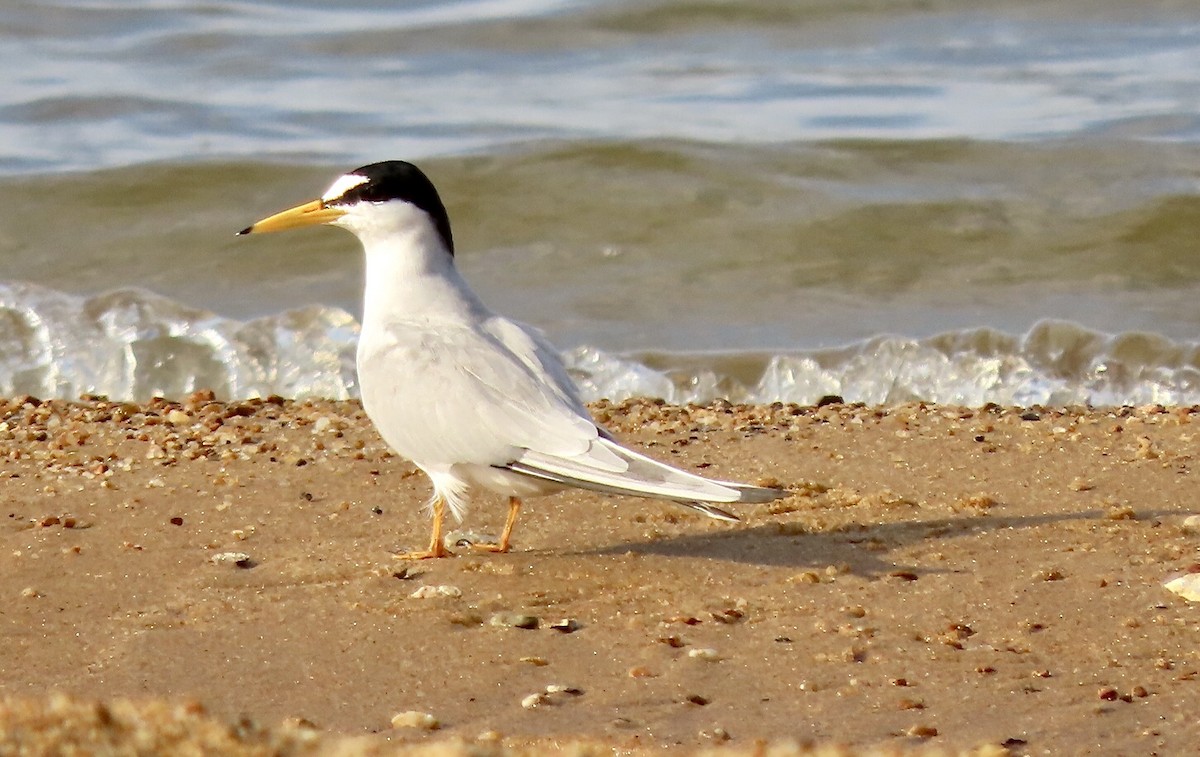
(308, 214)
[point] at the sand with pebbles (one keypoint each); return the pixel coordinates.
(222, 575)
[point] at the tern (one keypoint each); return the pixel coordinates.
(473, 399)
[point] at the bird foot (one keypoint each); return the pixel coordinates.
(437, 547)
(476, 541)
(489, 547)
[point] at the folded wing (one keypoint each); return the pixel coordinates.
(502, 398)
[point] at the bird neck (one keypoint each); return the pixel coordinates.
(411, 275)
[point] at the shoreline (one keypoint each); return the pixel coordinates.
(941, 577)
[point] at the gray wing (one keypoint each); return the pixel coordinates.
(634, 473)
(443, 394)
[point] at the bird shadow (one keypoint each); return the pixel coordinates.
(860, 548)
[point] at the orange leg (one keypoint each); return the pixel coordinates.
(436, 547)
(514, 506)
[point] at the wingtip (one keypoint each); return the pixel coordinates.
(761, 494)
(712, 511)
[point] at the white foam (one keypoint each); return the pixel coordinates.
(133, 344)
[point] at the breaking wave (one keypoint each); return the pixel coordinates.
(131, 344)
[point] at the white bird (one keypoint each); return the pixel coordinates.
(470, 397)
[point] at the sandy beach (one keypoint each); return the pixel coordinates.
(222, 575)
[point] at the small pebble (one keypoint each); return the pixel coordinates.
(1186, 586)
(1120, 512)
(535, 700)
(467, 539)
(980, 502)
(177, 417)
(708, 654)
(240, 559)
(728, 617)
(414, 719)
(291, 723)
(566, 625)
(1191, 525)
(1108, 694)
(432, 592)
(922, 732)
(1080, 485)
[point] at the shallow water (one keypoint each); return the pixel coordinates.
(100, 84)
(693, 193)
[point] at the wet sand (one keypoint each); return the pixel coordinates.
(939, 578)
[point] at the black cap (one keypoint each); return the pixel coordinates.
(399, 180)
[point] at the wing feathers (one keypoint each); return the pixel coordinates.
(641, 477)
(711, 511)
(756, 495)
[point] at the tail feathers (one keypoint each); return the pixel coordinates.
(756, 495)
(644, 477)
(590, 483)
(638, 475)
(749, 494)
(711, 511)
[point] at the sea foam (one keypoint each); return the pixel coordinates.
(131, 344)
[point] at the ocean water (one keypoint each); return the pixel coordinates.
(764, 200)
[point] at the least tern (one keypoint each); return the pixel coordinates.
(474, 399)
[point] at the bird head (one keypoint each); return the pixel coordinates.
(384, 195)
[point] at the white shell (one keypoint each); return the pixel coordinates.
(1186, 586)
(433, 592)
(413, 719)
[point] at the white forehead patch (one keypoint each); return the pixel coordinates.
(343, 185)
